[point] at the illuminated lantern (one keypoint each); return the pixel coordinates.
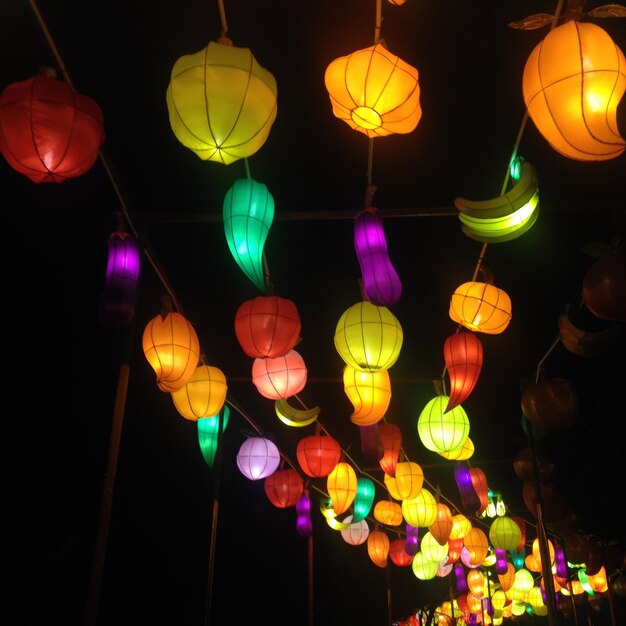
(479, 481)
(248, 213)
(304, 525)
(551, 405)
(536, 551)
(477, 545)
(375, 92)
(48, 132)
(318, 454)
(420, 511)
(341, 484)
(475, 582)
(378, 547)
(411, 541)
(443, 569)
(280, 377)
(460, 580)
(408, 480)
(364, 498)
(466, 451)
(442, 431)
(369, 393)
(221, 102)
(604, 286)
(398, 554)
(506, 580)
(355, 533)
(171, 347)
(121, 283)
(573, 82)
(501, 565)
(423, 567)
(460, 526)
(388, 512)
(480, 307)
(203, 394)
(442, 526)
(521, 523)
(524, 580)
(432, 549)
(391, 440)
(463, 478)
(208, 434)
(504, 533)
(368, 337)
(258, 458)
(267, 326)
(455, 546)
(499, 599)
(284, 487)
(380, 281)
(463, 355)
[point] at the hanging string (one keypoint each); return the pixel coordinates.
(224, 31)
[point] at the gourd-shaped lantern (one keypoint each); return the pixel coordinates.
(369, 393)
(398, 555)
(378, 547)
(442, 526)
(304, 524)
(388, 512)
(440, 430)
(463, 479)
(573, 82)
(221, 102)
(355, 533)
(364, 498)
(504, 533)
(412, 539)
(280, 377)
(48, 132)
(481, 307)
(203, 395)
(407, 481)
(391, 441)
(121, 283)
(258, 458)
(463, 356)
(380, 281)
(423, 567)
(171, 347)
(551, 405)
(375, 92)
(248, 213)
(368, 337)
(604, 286)
(208, 433)
(318, 454)
(420, 511)
(341, 484)
(284, 487)
(267, 326)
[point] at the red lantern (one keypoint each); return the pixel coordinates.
(391, 440)
(47, 132)
(279, 377)
(551, 405)
(318, 455)
(463, 355)
(284, 488)
(479, 482)
(398, 554)
(604, 287)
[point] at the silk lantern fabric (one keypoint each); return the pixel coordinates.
(341, 484)
(47, 132)
(440, 430)
(369, 394)
(481, 307)
(283, 488)
(258, 458)
(221, 103)
(391, 440)
(280, 377)
(463, 356)
(203, 394)
(208, 433)
(318, 454)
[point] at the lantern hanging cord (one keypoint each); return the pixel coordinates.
(224, 25)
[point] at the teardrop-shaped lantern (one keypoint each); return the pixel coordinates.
(374, 92)
(441, 430)
(203, 394)
(463, 356)
(258, 458)
(284, 487)
(355, 533)
(369, 393)
(280, 377)
(267, 326)
(479, 482)
(221, 102)
(364, 498)
(391, 440)
(318, 454)
(208, 434)
(573, 82)
(48, 132)
(480, 307)
(368, 337)
(388, 512)
(341, 484)
(442, 526)
(121, 282)
(380, 281)
(248, 213)
(378, 547)
(171, 347)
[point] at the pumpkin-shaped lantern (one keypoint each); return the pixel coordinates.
(604, 286)
(318, 454)
(375, 92)
(391, 441)
(203, 394)
(378, 547)
(463, 356)
(368, 337)
(341, 484)
(258, 458)
(48, 132)
(504, 533)
(171, 347)
(398, 555)
(369, 393)
(284, 487)
(280, 377)
(388, 512)
(267, 326)
(573, 82)
(221, 102)
(248, 214)
(355, 533)
(551, 405)
(481, 307)
(440, 430)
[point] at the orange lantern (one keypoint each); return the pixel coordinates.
(391, 441)
(281, 376)
(341, 484)
(477, 545)
(398, 555)
(475, 582)
(481, 307)
(508, 578)
(378, 547)
(388, 512)
(442, 526)
(203, 395)
(284, 487)
(463, 355)
(573, 82)
(408, 480)
(479, 483)
(318, 455)
(460, 526)
(369, 393)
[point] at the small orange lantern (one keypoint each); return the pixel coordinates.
(342, 485)
(477, 545)
(408, 480)
(442, 526)
(281, 376)
(391, 441)
(369, 393)
(388, 512)
(318, 455)
(284, 488)
(481, 307)
(378, 547)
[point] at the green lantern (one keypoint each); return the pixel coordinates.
(208, 432)
(442, 431)
(365, 491)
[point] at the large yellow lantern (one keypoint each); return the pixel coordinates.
(375, 92)
(423, 567)
(369, 393)
(504, 533)
(342, 485)
(203, 395)
(481, 307)
(221, 102)
(420, 511)
(432, 549)
(440, 430)
(573, 82)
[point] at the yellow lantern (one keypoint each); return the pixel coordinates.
(504, 533)
(481, 307)
(407, 482)
(573, 82)
(534, 597)
(388, 512)
(375, 92)
(369, 393)
(378, 547)
(432, 549)
(203, 395)
(221, 102)
(342, 485)
(466, 451)
(420, 511)
(460, 526)
(441, 430)
(524, 580)
(423, 567)
(368, 337)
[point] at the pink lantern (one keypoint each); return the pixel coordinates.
(463, 355)
(258, 458)
(281, 376)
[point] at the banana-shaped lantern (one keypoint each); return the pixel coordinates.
(293, 416)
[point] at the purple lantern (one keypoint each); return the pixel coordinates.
(463, 478)
(411, 543)
(304, 526)
(381, 283)
(460, 579)
(501, 561)
(258, 458)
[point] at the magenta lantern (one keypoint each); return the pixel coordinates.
(281, 376)
(258, 458)
(304, 524)
(48, 132)
(463, 355)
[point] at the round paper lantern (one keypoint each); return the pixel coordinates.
(573, 82)
(355, 533)
(281, 376)
(477, 545)
(408, 479)
(221, 102)
(375, 92)
(284, 487)
(504, 533)
(369, 393)
(460, 526)
(388, 512)
(481, 307)
(171, 347)
(463, 355)
(258, 457)
(368, 337)
(267, 326)
(423, 567)
(318, 454)
(442, 526)
(203, 394)
(432, 549)
(341, 484)
(455, 547)
(420, 511)
(524, 580)
(604, 286)
(551, 405)
(398, 554)
(48, 132)
(442, 431)
(378, 547)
